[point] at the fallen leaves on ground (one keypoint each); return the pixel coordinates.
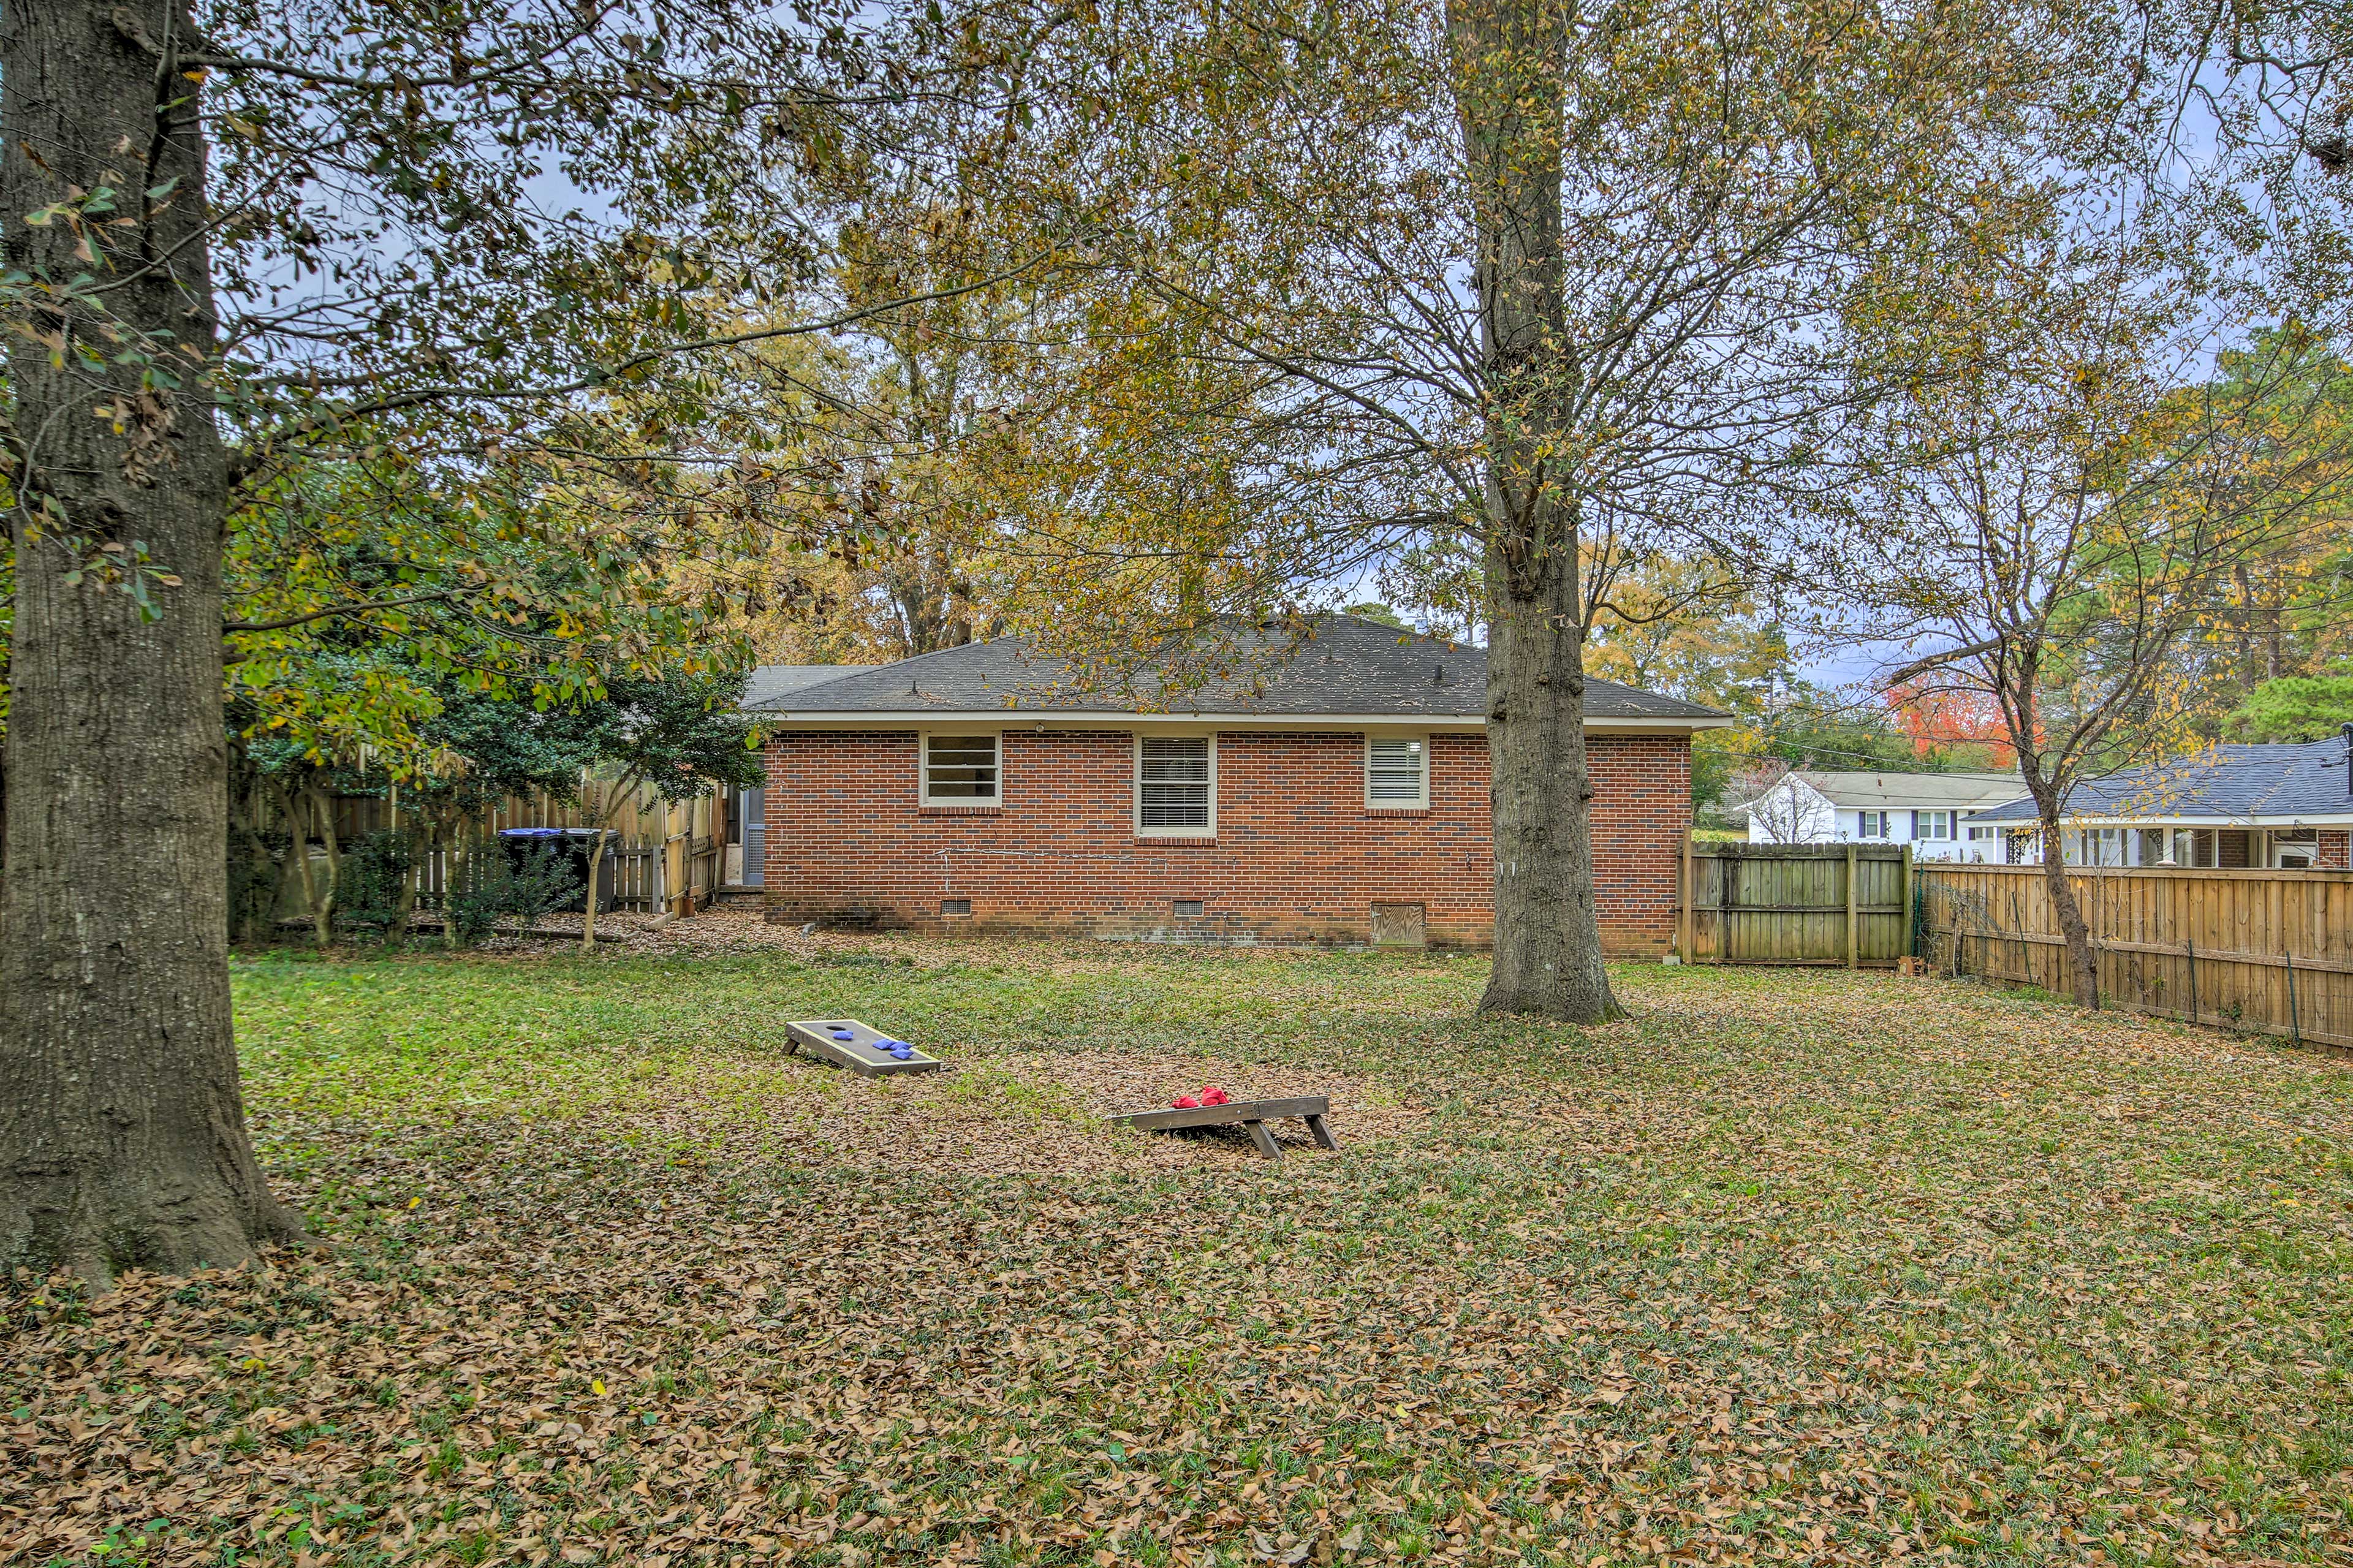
(1788, 1267)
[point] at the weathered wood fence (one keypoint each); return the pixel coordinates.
(1796, 903)
(666, 855)
(2270, 952)
(643, 876)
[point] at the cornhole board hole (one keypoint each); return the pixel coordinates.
(1253, 1114)
(862, 1053)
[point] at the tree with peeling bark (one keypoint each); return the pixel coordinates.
(1553, 280)
(241, 240)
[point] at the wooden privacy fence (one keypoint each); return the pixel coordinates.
(646, 876)
(666, 855)
(1796, 903)
(2270, 952)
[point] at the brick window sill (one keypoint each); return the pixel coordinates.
(1177, 841)
(959, 811)
(1397, 811)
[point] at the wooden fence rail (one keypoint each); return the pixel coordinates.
(2270, 952)
(1796, 903)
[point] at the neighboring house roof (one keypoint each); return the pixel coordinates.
(771, 682)
(2287, 782)
(1343, 667)
(1890, 791)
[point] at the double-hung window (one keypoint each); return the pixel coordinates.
(1932, 825)
(1176, 785)
(1396, 771)
(960, 770)
(1874, 824)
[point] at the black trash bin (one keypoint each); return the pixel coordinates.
(522, 843)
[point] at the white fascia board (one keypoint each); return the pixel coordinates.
(1067, 718)
(1667, 726)
(2335, 819)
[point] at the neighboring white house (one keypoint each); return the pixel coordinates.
(1924, 810)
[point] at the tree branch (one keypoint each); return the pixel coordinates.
(1920, 666)
(230, 628)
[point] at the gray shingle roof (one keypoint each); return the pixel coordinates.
(2285, 781)
(1957, 791)
(773, 682)
(1343, 666)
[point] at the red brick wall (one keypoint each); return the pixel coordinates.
(2335, 850)
(1297, 858)
(1641, 812)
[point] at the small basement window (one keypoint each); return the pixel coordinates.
(1176, 785)
(960, 770)
(1189, 908)
(956, 906)
(1397, 771)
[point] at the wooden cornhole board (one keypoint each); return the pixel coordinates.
(860, 1053)
(1253, 1114)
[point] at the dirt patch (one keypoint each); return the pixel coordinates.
(730, 929)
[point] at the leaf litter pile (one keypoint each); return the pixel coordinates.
(1788, 1267)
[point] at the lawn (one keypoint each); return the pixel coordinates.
(1790, 1265)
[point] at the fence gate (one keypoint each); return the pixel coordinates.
(1796, 903)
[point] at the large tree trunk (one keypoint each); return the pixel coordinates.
(122, 1137)
(1509, 64)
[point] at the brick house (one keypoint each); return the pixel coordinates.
(1325, 788)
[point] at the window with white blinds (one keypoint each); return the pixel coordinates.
(1175, 785)
(960, 770)
(1396, 771)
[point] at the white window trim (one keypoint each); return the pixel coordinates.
(923, 795)
(1136, 787)
(1421, 797)
(1925, 819)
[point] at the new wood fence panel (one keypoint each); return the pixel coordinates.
(2270, 952)
(1777, 903)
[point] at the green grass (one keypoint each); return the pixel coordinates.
(1789, 1264)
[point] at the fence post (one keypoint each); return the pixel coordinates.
(2295, 1022)
(1728, 871)
(1690, 889)
(1903, 896)
(2191, 948)
(1852, 936)
(2025, 953)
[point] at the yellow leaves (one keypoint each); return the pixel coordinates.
(597, 1386)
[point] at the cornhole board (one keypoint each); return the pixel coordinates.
(1253, 1114)
(860, 1053)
